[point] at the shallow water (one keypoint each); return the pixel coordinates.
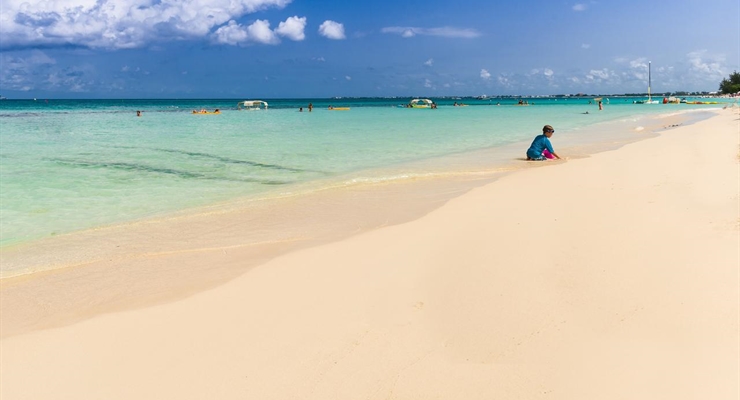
(73, 165)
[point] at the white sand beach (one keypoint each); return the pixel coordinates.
(609, 277)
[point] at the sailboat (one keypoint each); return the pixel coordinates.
(649, 99)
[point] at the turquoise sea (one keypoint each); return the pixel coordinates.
(68, 165)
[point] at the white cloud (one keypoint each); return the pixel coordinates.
(292, 28)
(427, 83)
(118, 24)
(232, 34)
(38, 57)
(429, 62)
(639, 63)
(638, 69)
(34, 59)
(707, 65)
(260, 32)
(485, 74)
(446, 31)
(504, 80)
(347, 77)
(332, 30)
(24, 73)
(536, 75)
(599, 74)
(579, 7)
(585, 46)
(35, 70)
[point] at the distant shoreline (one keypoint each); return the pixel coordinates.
(452, 97)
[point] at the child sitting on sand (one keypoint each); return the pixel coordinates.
(541, 148)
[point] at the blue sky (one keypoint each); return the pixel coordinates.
(320, 48)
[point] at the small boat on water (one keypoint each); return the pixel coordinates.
(671, 100)
(252, 105)
(421, 103)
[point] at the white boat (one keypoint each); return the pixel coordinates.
(649, 99)
(421, 103)
(673, 100)
(252, 105)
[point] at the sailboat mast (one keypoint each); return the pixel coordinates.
(649, 81)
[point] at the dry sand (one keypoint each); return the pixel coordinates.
(610, 277)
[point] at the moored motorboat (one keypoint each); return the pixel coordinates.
(421, 103)
(252, 105)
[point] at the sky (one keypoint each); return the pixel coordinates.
(250, 49)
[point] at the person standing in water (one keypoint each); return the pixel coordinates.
(541, 148)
